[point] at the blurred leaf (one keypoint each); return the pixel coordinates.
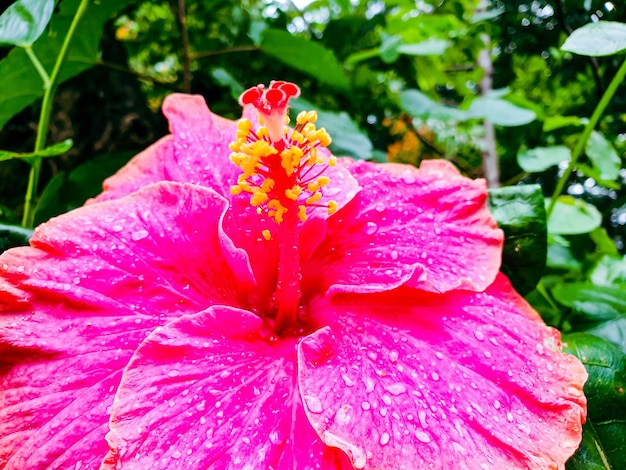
(428, 47)
(594, 173)
(348, 139)
(52, 151)
(560, 255)
(598, 310)
(557, 122)
(388, 50)
(306, 56)
(224, 78)
(573, 216)
(597, 39)
(604, 244)
(500, 112)
(23, 22)
(520, 213)
(65, 192)
(604, 433)
(12, 235)
(21, 86)
(610, 271)
(417, 104)
(603, 156)
(487, 15)
(542, 158)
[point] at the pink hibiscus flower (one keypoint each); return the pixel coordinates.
(287, 311)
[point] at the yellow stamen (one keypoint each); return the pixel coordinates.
(332, 207)
(293, 193)
(267, 234)
(314, 198)
(302, 213)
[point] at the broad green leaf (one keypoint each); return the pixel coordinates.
(573, 216)
(12, 235)
(487, 15)
(52, 151)
(610, 271)
(348, 139)
(597, 39)
(389, 48)
(605, 245)
(225, 78)
(541, 158)
(428, 47)
(19, 82)
(561, 255)
(597, 310)
(591, 172)
(603, 156)
(417, 104)
(65, 192)
(23, 22)
(521, 214)
(552, 123)
(306, 56)
(604, 433)
(500, 112)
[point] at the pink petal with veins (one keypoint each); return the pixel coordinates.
(427, 228)
(211, 390)
(94, 283)
(406, 380)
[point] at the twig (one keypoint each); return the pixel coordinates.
(182, 21)
(228, 50)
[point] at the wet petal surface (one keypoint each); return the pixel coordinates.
(427, 228)
(208, 391)
(78, 302)
(468, 381)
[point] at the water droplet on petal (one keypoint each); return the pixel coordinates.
(313, 404)
(435, 376)
(384, 439)
(366, 405)
(422, 436)
(370, 228)
(479, 335)
(139, 235)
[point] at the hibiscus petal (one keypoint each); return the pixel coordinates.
(464, 381)
(210, 391)
(196, 152)
(427, 228)
(74, 306)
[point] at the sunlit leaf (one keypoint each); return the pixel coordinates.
(23, 22)
(51, 151)
(306, 56)
(597, 39)
(19, 83)
(12, 235)
(500, 112)
(603, 156)
(541, 158)
(573, 216)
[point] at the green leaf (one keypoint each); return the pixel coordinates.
(417, 104)
(597, 39)
(500, 112)
(347, 138)
(51, 151)
(542, 158)
(610, 271)
(521, 214)
(23, 22)
(573, 216)
(552, 123)
(604, 433)
(603, 156)
(65, 192)
(19, 83)
(12, 235)
(428, 47)
(560, 254)
(597, 310)
(306, 56)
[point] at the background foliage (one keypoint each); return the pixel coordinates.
(511, 90)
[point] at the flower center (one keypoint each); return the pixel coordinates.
(283, 173)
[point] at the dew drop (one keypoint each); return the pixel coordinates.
(496, 404)
(366, 405)
(370, 228)
(435, 376)
(117, 228)
(479, 335)
(313, 404)
(176, 455)
(384, 439)
(139, 235)
(173, 373)
(422, 436)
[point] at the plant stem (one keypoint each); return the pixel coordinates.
(42, 71)
(182, 21)
(44, 118)
(584, 137)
